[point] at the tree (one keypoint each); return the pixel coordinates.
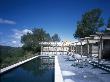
(27, 40)
(108, 25)
(107, 29)
(48, 37)
(89, 24)
(32, 41)
(39, 34)
(56, 38)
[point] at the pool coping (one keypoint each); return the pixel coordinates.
(15, 65)
(58, 74)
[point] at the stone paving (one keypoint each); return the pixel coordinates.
(86, 74)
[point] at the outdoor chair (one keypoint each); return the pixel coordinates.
(70, 58)
(101, 66)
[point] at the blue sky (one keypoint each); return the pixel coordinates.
(55, 16)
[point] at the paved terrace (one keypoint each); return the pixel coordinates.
(76, 74)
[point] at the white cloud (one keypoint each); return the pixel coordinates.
(5, 21)
(15, 39)
(17, 36)
(25, 31)
(14, 42)
(19, 33)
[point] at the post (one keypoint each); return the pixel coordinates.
(100, 48)
(41, 49)
(81, 39)
(52, 47)
(71, 49)
(63, 48)
(76, 46)
(87, 48)
(48, 47)
(87, 38)
(81, 48)
(56, 48)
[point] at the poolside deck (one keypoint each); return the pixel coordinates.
(76, 74)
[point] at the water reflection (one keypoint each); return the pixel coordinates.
(36, 70)
(39, 66)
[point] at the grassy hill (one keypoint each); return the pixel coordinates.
(10, 55)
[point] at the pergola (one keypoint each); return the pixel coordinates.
(100, 38)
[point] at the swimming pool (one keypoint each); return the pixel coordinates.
(40, 69)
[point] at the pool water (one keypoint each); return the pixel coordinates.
(40, 69)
